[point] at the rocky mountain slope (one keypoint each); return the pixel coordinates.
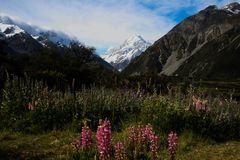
(210, 33)
(120, 57)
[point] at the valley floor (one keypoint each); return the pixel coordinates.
(56, 145)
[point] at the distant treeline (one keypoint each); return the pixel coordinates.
(56, 66)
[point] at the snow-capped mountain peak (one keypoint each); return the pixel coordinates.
(232, 7)
(10, 30)
(44, 36)
(121, 56)
(133, 39)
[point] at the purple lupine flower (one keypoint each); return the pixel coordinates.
(154, 146)
(172, 144)
(86, 136)
(120, 153)
(104, 137)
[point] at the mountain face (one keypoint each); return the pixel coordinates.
(196, 46)
(120, 57)
(50, 55)
(219, 58)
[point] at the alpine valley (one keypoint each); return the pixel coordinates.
(176, 97)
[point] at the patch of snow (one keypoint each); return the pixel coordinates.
(232, 8)
(10, 30)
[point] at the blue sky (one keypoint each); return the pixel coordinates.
(106, 23)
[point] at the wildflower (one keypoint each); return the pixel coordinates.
(200, 104)
(30, 106)
(149, 131)
(132, 134)
(86, 136)
(120, 153)
(172, 144)
(104, 137)
(154, 146)
(141, 137)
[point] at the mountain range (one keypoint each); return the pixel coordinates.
(205, 45)
(26, 48)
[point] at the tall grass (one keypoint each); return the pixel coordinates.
(30, 106)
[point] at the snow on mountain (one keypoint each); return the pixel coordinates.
(10, 30)
(120, 57)
(42, 35)
(232, 7)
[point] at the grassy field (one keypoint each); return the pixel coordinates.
(56, 145)
(41, 123)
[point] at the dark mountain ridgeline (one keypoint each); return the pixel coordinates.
(210, 35)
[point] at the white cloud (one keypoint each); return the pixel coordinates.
(98, 23)
(105, 25)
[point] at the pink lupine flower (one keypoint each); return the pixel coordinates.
(139, 134)
(30, 106)
(149, 131)
(132, 134)
(104, 137)
(86, 136)
(120, 153)
(172, 144)
(141, 137)
(154, 146)
(200, 104)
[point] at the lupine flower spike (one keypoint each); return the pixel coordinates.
(149, 131)
(86, 136)
(120, 153)
(104, 137)
(154, 146)
(132, 134)
(154, 141)
(172, 144)
(141, 138)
